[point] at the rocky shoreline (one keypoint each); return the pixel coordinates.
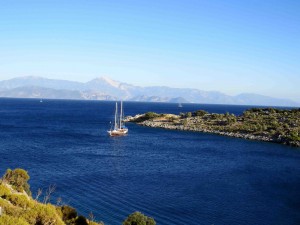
(195, 124)
(183, 128)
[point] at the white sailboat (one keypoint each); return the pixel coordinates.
(119, 125)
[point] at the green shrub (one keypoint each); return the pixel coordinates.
(8, 208)
(294, 136)
(81, 220)
(138, 218)
(200, 113)
(188, 114)
(42, 214)
(246, 113)
(4, 191)
(20, 200)
(185, 122)
(151, 115)
(255, 110)
(18, 178)
(68, 213)
(10, 220)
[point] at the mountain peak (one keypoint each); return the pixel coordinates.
(108, 80)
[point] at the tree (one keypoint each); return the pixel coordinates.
(188, 114)
(68, 213)
(18, 178)
(138, 218)
(151, 115)
(201, 113)
(81, 220)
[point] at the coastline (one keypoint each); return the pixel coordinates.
(199, 123)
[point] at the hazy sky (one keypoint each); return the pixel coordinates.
(229, 46)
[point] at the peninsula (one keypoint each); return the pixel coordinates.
(263, 124)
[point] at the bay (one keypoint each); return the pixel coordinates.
(174, 176)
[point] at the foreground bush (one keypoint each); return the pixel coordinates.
(42, 214)
(18, 178)
(68, 213)
(138, 218)
(18, 208)
(4, 191)
(9, 220)
(20, 201)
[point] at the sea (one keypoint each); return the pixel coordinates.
(176, 177)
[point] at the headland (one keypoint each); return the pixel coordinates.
(262, 124)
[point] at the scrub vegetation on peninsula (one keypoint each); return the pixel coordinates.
(264, 124)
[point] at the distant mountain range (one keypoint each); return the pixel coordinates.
(107, 89)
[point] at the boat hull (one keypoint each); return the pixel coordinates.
(119, 132)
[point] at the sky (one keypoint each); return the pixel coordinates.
(229, 46)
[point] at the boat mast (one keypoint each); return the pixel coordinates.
(121, 111)
(116, 113)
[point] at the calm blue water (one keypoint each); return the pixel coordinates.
(175, 177)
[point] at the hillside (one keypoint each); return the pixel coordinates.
(18, 207)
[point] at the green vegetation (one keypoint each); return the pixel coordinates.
(151, 115)
(19, 208)
(147, 116)
(156, 117)
(18, 178)
(68, 213)
(138, 218)
(10, 220)
(200, 113)
(266, 124)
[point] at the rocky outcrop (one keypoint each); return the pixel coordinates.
(169, 126)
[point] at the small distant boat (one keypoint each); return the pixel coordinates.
(180, 105)
(41, 100)
(119, 125)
